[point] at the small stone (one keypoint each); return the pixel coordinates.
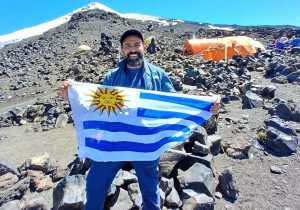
(173, 199)
(58, 174)
(34, 201)
(135, 194)
(3, 137)
(41, 163)
(123, 201)
(218, 195)
(280, 79)
(252, 100)
(124, 178)
(199, 148)
(275, 170)
(61, 121)
(166, 185)
(215, 142)
(83, 49)
(197, 201)
(38, 181)
(227, 185)
(22, 122)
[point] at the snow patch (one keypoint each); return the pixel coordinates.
(144, 18)
(220, 28)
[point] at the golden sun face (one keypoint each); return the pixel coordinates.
(107, 100)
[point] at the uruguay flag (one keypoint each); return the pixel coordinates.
(126, 124)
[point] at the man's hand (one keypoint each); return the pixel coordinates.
(216, 107)
(63, 90)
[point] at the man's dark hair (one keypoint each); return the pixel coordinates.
(131, 32)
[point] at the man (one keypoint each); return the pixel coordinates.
(152, 46)
(133, 71)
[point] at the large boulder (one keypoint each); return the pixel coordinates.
(281, 139)
(196, 201)
(168, 161)
(252, 100)
(198, 178)
(14, 192)
(8, 180)
(123, 202)
(287, 110)
(6, 167)
(69, 193)
(294, 76)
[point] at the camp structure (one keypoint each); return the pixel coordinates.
(222, 48)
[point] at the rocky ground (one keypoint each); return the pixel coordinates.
(249, 159)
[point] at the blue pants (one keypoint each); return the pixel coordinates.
(102, 174)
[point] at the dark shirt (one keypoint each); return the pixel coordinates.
(135, 78)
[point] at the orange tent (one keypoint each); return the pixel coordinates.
(222, 48)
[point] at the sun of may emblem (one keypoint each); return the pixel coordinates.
(107, 100)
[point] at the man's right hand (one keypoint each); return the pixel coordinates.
(63, 90)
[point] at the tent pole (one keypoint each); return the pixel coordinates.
(226, 60)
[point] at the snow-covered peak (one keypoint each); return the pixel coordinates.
(41, 28)
(96, 5)
(32, 31)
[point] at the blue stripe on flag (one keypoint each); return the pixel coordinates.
(135, 129)
(204, 115)
(195, 103)
(109, 146)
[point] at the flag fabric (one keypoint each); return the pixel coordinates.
(127, 124)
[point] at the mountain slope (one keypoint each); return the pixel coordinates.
(41, 28)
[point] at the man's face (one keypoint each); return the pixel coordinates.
(133, 51)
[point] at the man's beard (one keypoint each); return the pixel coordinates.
(137, 61)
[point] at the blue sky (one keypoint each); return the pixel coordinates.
(18, 14)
